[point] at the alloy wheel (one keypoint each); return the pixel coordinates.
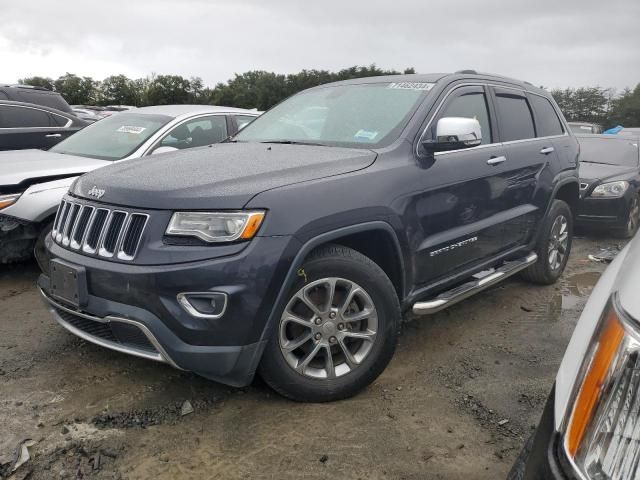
(558, 242)
(328, 328)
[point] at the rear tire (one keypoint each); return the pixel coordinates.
(347, 309)
(553, 247)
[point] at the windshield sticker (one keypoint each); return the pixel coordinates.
(131, 129)
(411, 85)
(584, 127)
(365, 135)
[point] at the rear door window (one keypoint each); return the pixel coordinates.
(23, 117)
(514, 116)
(548, 122)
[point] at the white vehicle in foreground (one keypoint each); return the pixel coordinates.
(590, 427)
(32, 182)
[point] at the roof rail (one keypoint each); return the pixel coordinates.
(468, 71)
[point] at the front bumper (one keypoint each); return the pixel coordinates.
(603, 212)
(17, 239)
(546, 458)
(134, 308)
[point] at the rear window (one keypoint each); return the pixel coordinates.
(12, 116)
(549, 123)
(611, 151)
(514, 115)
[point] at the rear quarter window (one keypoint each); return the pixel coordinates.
(548, 122)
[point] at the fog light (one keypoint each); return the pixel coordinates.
(210, 305)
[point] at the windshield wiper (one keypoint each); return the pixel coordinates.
(294, 142)
(598, 163)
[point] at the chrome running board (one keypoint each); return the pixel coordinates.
(453, 296)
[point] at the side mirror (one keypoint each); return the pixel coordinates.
(453, 133)
(164, 149)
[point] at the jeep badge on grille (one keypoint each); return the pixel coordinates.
(96, 192)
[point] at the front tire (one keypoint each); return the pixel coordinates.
(337, 331)
(40, 250)
(633, 219)
(553, 247)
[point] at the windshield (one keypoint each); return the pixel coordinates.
(581, 128)
(610, 151)
(363, 115)
(114, 137)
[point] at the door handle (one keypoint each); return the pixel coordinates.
(53, 135)
(547, 150)
(496, 160)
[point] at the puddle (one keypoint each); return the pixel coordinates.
(572, 296)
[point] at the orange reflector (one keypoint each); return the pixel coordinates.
(610, 338)
(6, 203)
(253, 224)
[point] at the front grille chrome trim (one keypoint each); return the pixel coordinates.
(122, 255)
(99, 230)
(160, 356)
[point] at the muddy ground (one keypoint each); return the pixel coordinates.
(438, 411)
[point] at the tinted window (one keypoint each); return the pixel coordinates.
(243, 120)
(197, 132)
(356, 115)
(514, 115)
(58, 120)
(612, 151)
(22, 117)
(548, 122)
(114, 137)
(471, 105)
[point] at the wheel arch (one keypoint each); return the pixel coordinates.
(569, 192)
(341, 236)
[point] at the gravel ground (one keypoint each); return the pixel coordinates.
(464, 390)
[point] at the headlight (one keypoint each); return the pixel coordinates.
(9, 199)
(602, 437)
(613, 189)
(216, 226)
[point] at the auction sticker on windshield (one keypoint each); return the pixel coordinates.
(411, 85)
(131, 129)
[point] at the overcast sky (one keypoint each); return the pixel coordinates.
(555, 43)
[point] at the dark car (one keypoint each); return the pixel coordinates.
(36, 95)
(609, 183)
(26, 125)
(294, 248)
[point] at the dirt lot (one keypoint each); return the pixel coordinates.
(438, 411)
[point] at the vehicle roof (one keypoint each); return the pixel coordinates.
(178, 110)
(436, 77)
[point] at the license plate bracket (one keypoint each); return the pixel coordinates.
(68, 283)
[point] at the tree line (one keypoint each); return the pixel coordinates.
(254, 89)
(262, 90)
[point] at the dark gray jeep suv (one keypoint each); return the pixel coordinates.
(294, 248)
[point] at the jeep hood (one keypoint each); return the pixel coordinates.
(223, 176)
(23, 166)
(591, 172)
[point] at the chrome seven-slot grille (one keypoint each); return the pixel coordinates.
(98, 230)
